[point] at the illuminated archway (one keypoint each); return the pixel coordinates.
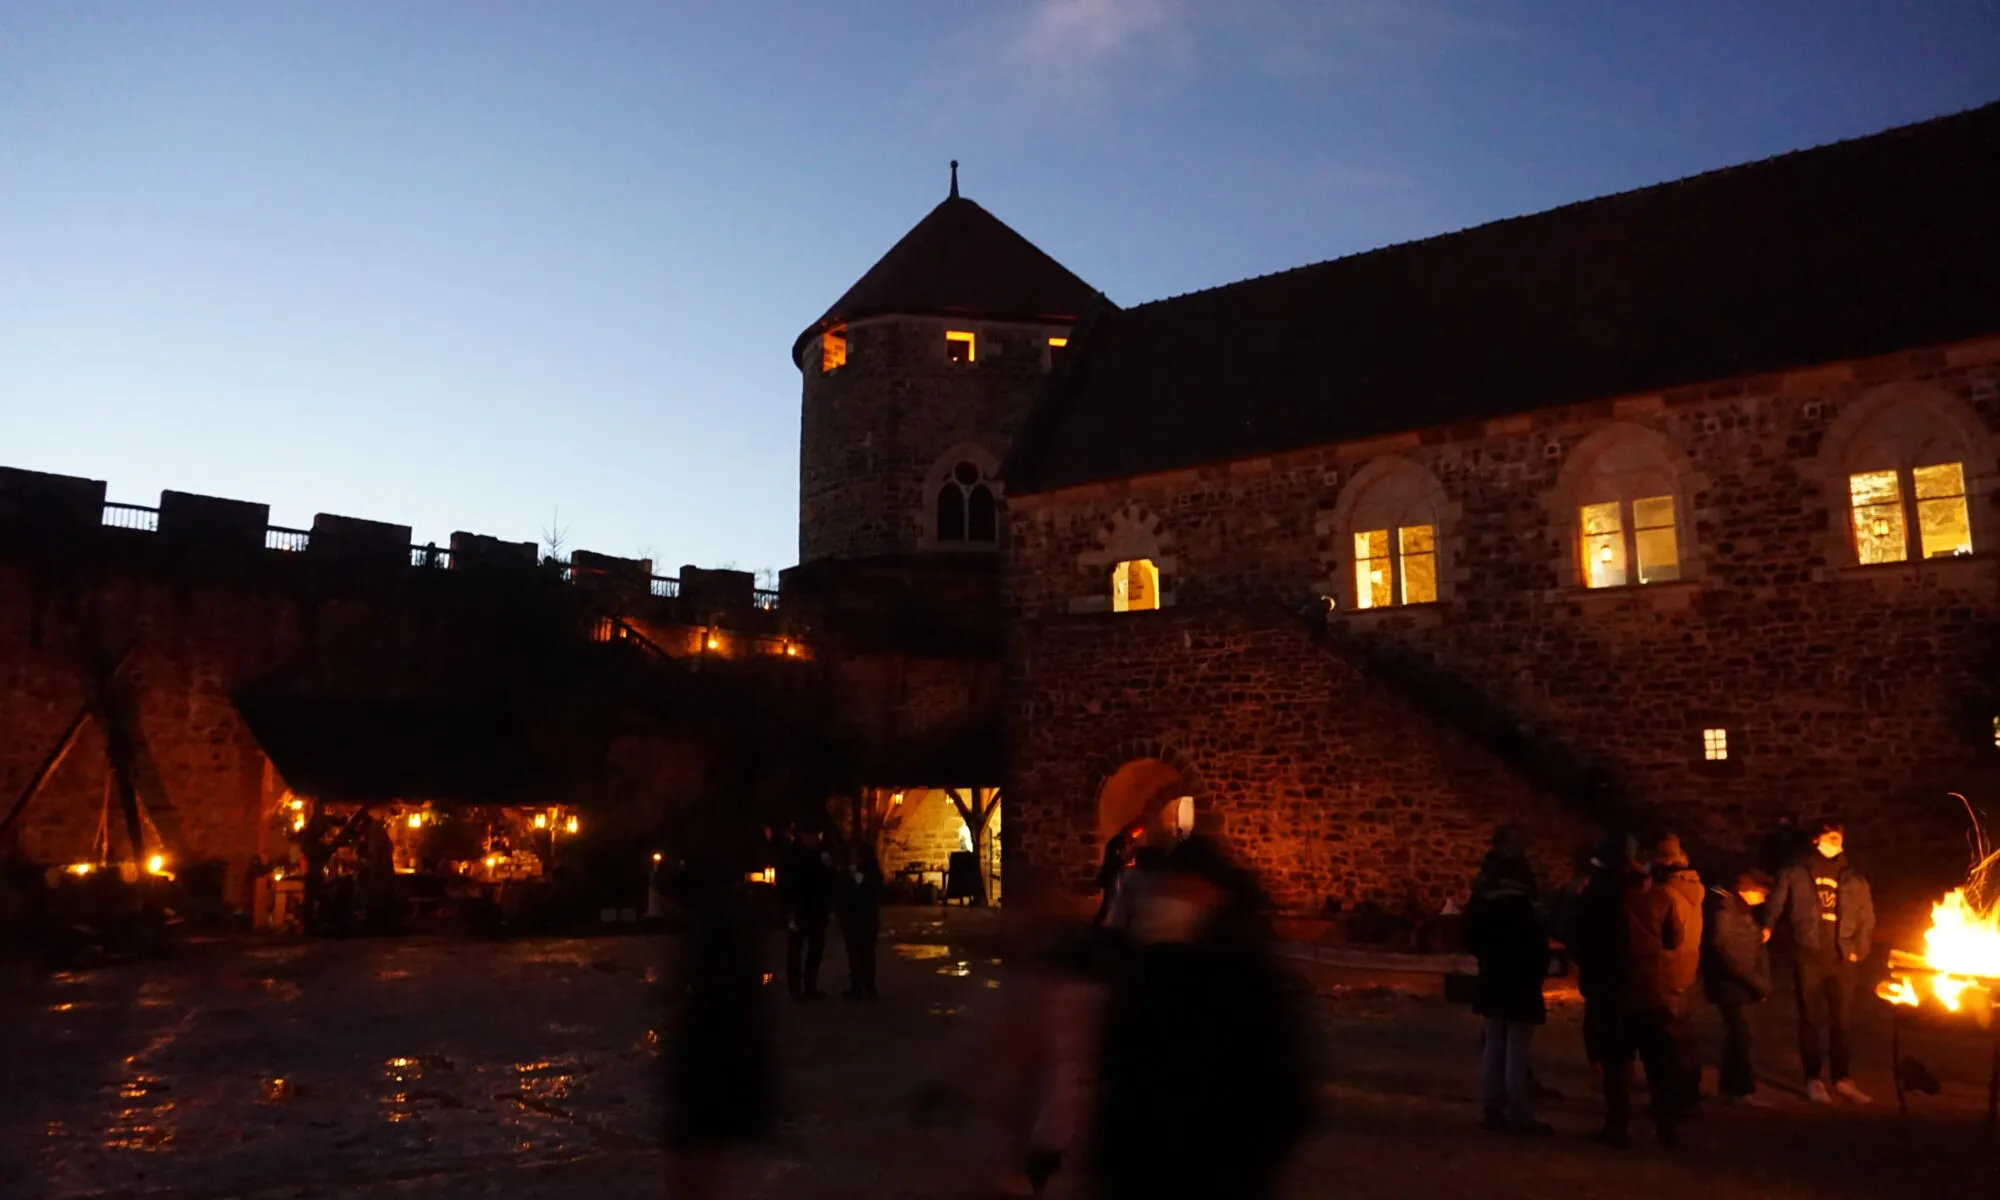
(1146, 793)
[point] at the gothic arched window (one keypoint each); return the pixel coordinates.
(967, 513)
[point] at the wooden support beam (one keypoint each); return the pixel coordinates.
(47, 768)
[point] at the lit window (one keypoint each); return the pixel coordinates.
(1715, 744)
(967, 511)
(833, 349)
(1943, 527)
(1135, 586)
(959, 346)
(1877, 498)
(1057, 343)
(1406, 576)
(1616, 533)
(1996, 732)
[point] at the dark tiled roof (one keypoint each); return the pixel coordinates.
(1858, 248)
(366, 751)
(962, 259)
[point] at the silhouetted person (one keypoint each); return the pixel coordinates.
(1117, 851)
(1783, 847)
(1824, 903)
(861, 921)
(1505, 931)
(1202, 1084)
(1592, 928)
(1736, 974)
(804, 892)
(717, 1070)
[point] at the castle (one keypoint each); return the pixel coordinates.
(1675, 507)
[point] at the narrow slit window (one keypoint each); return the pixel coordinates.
(1135, 586)
(1372, 586)
(833, 349)
(1879, 536)
(1996, 733)
(1416, 563)
(1715, 745)
(1603, 545)
(1943, 525)
(960, 346)
(981, 515)
(1653, 539)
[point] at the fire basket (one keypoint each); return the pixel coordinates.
(1952, 988)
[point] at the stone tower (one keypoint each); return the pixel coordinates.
(916, 381)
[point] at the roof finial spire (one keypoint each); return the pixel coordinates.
(954, 179)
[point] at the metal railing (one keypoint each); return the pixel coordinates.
(666, 587)
(132, 516)
(433, 557)
(277, 537)
(765, 598)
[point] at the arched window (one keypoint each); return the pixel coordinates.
(1135, 586)
(1904, 466)
(1388, 520)
(1626, 501)
(967, 513)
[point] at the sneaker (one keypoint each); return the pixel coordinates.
(1817, 1093)
(1751, 1100)
(1852, 1094)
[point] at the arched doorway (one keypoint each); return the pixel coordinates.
(1148, 793)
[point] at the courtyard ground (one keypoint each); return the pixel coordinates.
(446, 1069)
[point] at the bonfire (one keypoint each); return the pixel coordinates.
(1959, 969)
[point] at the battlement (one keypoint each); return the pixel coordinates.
(46, 511)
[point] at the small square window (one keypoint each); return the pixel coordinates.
(959, 346)
(1715, 744)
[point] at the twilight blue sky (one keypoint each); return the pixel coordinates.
(463, 265)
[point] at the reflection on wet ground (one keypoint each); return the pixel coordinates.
(242, 1067)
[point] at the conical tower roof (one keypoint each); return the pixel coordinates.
(962, 260)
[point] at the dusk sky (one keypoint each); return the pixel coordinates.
(466, 265)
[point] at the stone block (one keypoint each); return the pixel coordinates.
(479, 552)
(213, 523)
(354, 540)
(57, 505)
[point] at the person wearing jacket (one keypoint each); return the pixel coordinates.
(1823, 903)
(1736, 973)
(1683, 886)
(805, 887)
(1658, 973)
(1505, 931)
(1592, 929)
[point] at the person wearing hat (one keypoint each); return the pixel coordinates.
(1825, 905)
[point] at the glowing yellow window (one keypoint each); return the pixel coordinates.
(1603, 545)
(1942, 524)
(1408, 576)
(1416, 563)
(1135, 586)
(833, 349)
(1653, 539)
(960, 346)
(1057, 343)
(1877, 500)
(1715, 744)
(1372, 586)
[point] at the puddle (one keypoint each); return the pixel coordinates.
(71, 1006)
(279, 1090)
(958, 970)
(919, 952)
(142, 1119)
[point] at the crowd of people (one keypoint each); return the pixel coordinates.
(1649, 940)
(1155, 1052)
(1159, 1051)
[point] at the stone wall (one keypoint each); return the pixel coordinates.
(1867, 691)
(875, 431)
(1326, 782)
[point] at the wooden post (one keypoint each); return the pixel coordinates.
(47, 768)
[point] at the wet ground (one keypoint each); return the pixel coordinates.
(524, 1069)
